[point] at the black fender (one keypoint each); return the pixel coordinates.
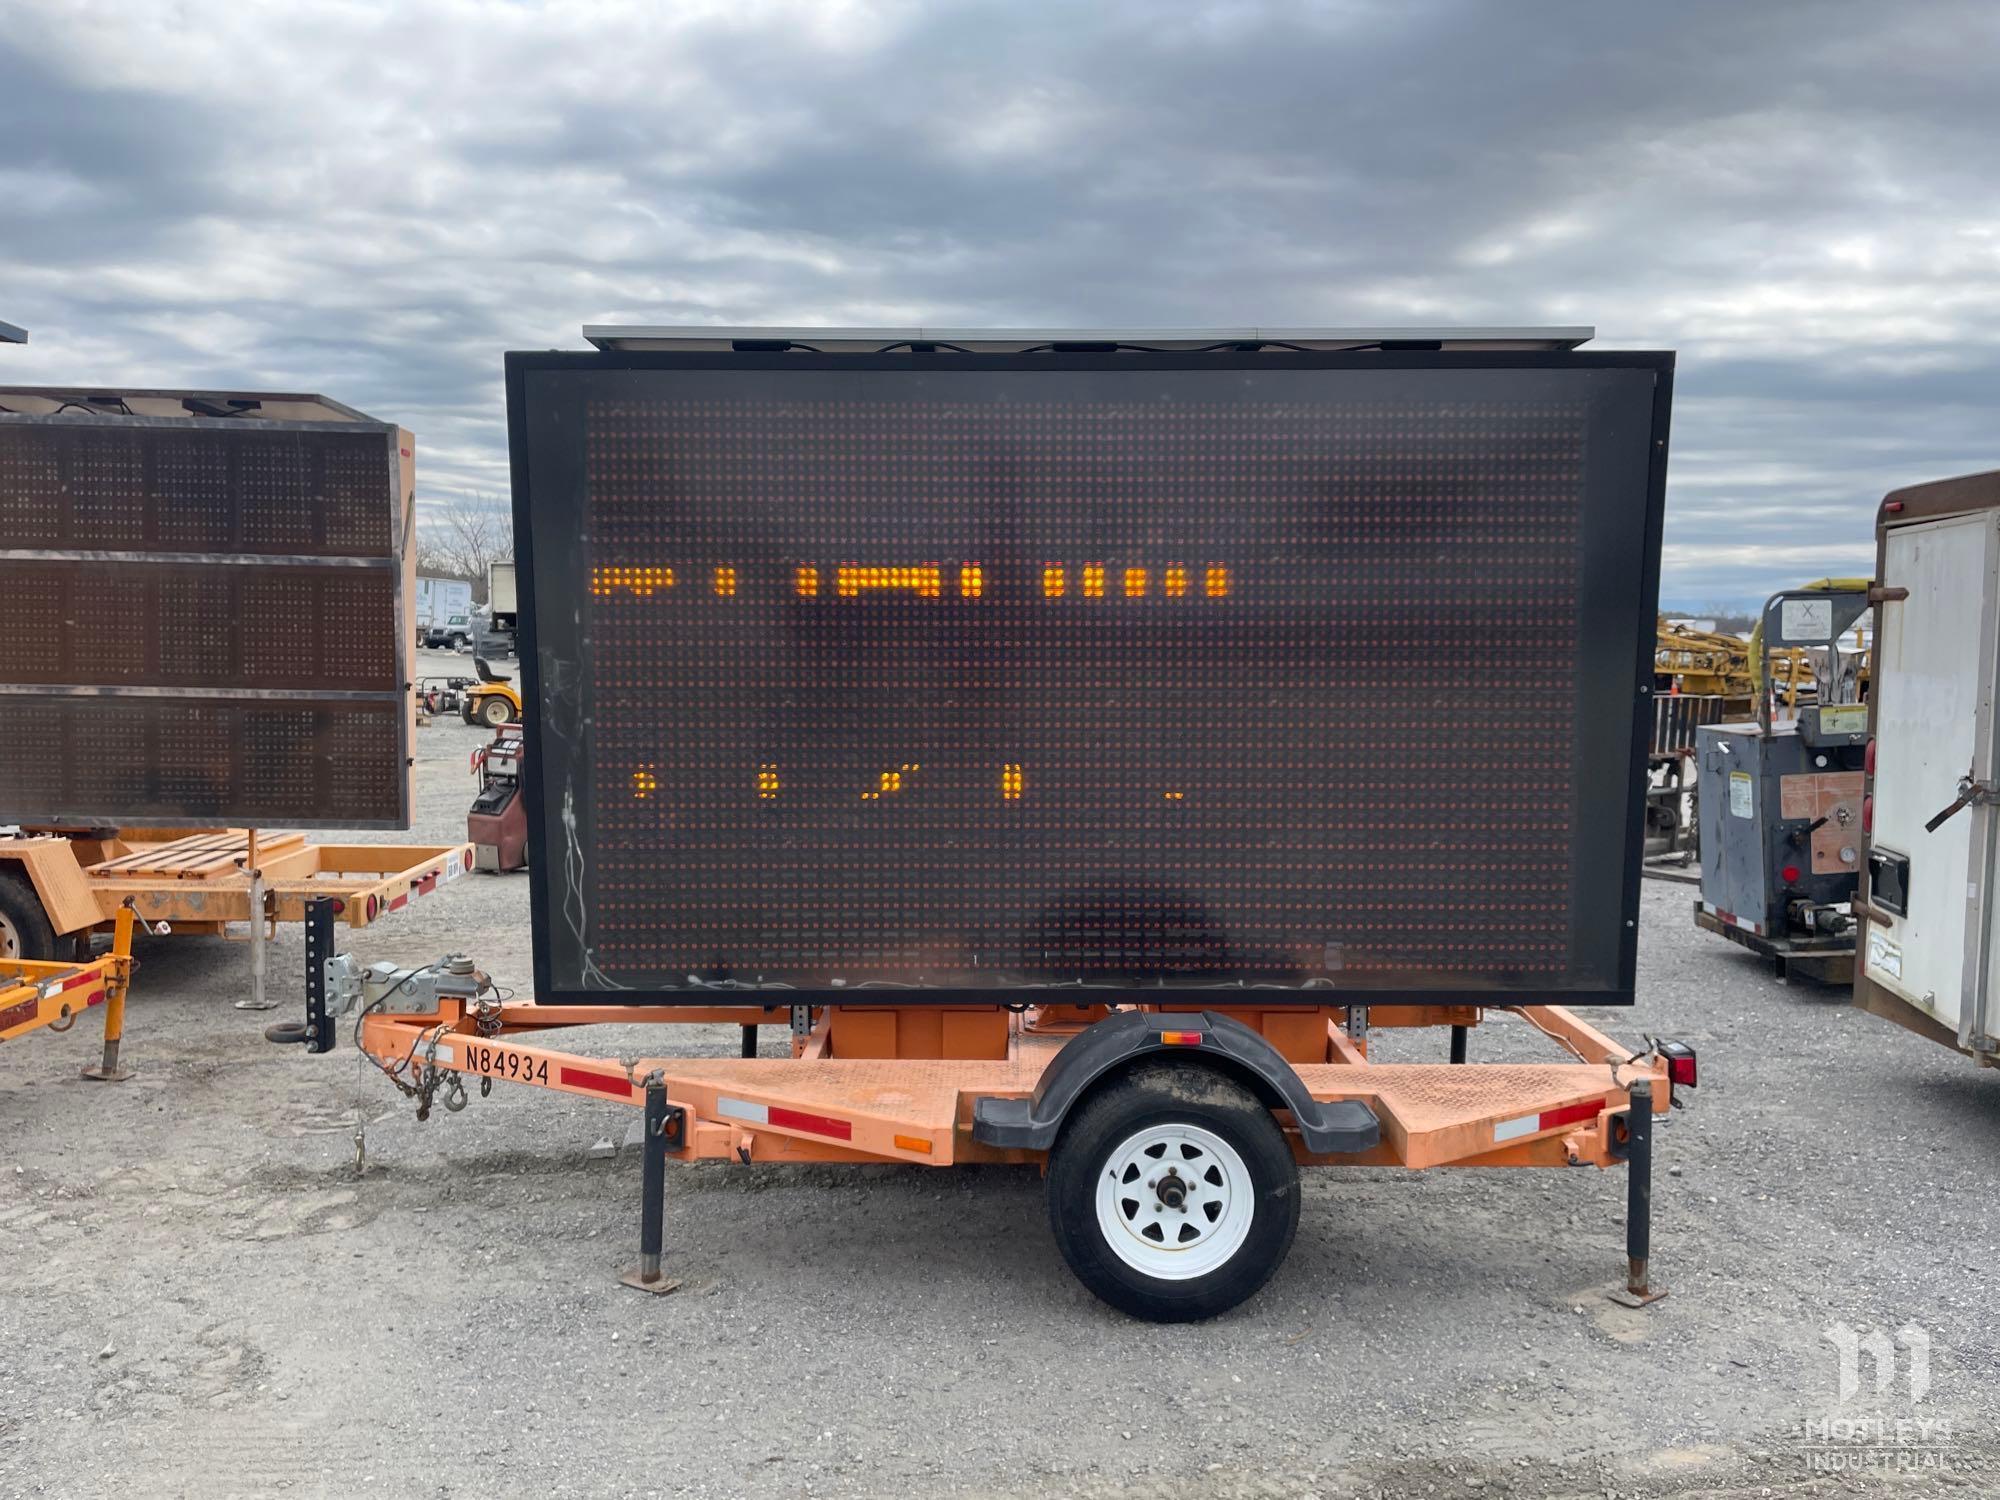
(1032, 1124)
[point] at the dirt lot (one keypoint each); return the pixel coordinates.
(203, 1298)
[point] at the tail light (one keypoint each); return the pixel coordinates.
(1868, 813)
(1868, 757)
(1680, 1061)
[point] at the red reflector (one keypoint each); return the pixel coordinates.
(1893, 507)
(1181, 1038)
(1790, 872)
(1569, 1114)
(583, 1078)
(1868, 758)
(374, 905)
(798, 1119)
(1679, 1058)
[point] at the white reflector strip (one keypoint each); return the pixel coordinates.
(1507, 1130)
(742, 1109)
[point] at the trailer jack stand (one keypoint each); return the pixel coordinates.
(108, 1071)
(1638, 1290)
(665, 1125)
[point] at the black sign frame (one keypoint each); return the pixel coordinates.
(546, 461)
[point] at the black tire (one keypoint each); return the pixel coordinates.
(494, 711)
(25, 931)
(1155, 1095)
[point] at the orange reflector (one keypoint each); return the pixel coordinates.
(913, 1143)
(1181, 1038)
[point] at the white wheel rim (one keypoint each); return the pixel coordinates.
(10, 937)
(1174, 1201)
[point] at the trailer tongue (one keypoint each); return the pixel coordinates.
(1080, 745)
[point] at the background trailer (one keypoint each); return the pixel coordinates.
(205, 604)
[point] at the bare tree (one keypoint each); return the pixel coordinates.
(459, 537)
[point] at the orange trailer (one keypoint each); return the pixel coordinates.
(1037, 726)
(1171, 1136)
(38, 996)
(200, 881)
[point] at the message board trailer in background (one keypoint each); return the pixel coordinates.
(205, 599)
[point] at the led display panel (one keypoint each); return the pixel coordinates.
(203, 605)
(1273, 678)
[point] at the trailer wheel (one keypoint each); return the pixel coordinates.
(25, 930)
(1172, 1193)
(493, 711)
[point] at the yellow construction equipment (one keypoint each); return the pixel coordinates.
(493, 700)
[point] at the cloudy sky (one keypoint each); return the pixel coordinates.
(376, 200)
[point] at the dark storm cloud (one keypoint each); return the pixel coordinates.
(1798, 198)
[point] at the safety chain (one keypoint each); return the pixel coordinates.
(428, 1076)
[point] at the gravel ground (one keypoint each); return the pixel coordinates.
(203, 1298)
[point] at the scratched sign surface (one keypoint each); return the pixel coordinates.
(951, 678)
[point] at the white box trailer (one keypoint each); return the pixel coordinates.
(502, 616)
(444, 611)
(500, 589)
(1928, 954)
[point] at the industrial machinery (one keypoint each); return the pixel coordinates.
(1780, 802)
(1700, 677)
(497, 826)
(1703, 677)
(1086, 804)
(443, 695)
(493, 700)
(1928, 952)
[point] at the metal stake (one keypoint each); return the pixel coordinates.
(652, 1197)
(257, 1000)
(1638, 1291)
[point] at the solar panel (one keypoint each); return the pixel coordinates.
(206, 614)
(955, 677)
